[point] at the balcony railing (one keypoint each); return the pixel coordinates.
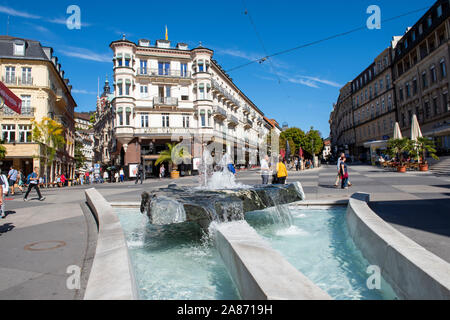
(219, 111)
(26, 81)
(165, 101)
(232, 120)
(169, 73)
(225, 93)
(26, 112)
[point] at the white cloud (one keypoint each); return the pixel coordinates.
(86, 54)
(63, 21)
(17, 13)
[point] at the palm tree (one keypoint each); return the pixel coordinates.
(396, 148)
(174, 155)
(424, 145)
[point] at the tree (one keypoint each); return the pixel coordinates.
(49, 135)
(420, 147)
(294, 135)
(173, 155)
(397, 147)
(2, 151)
(313, 142)
(79, 157)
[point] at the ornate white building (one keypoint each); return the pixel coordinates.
(163, 93)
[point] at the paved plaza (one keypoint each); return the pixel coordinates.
(39, 240)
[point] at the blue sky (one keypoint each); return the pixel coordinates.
(298, 88)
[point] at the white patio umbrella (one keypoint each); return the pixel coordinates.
(397, 131)
(415, 129)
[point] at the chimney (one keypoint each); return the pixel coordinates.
(55, 61)
(144, 43)
(163, 44)
(182, 46)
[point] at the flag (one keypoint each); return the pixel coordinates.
(167, 34)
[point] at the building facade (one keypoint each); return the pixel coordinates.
(409, 77)
(33, 74)
(165, 94)
(421, 59)
(84, 136)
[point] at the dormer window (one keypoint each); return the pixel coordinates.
(19, 48)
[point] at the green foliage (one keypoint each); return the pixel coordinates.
(313, 142)
(49, 134)
(421, 147)
(92, 119)
(397, 148)
(2, 152)
(296, 138)
(174, 154)
(80, 159)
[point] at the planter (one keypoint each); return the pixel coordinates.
(423, 167)
(401, 169)
(175, 174)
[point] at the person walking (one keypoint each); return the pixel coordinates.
(105, 176)
(20, 178)
(344, 174)
(12, 179)
(162, 171)
(265, 170)
(33, 183)
(338, 178)
(122, 175)
(116, 176)
(282, 173)
(141, 174)
(4, 189)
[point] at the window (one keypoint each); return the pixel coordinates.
(143, 69)
(433, 74)
(201, 66)
(383, 105)
(163, 68)
(127, 89)
(186, 121)
(165, 121)
(9, 133)
(127, 60)
(26, 76)
(26, 104)
(144, 120)
(120, 88)
(413, 36)
(427, 109)
(445, 104)
(119, 60)
(443, 68)
(420, 29)
(429, 21)
(120, 114)
(424, 80)
(144, 91)
(378, 108)
(201, 93)
(127, 116)
(400, 94)
(10, 75)
(389, 102)
(203, 118)
(388, 81)
(403, 120)
(24, 133)
(19, 48)
(168, 92)
(414, 86)
(435, 106)
(183, 70)
(408, 90)
(381, 84)
(439, 11)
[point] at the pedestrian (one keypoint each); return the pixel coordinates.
(296, 164)
(33, 180)
(12, 179)
(122, 175)
(4, 189)
(20, 178)
(344, 174)
(265, 170)
(63, 180)
(282, 173)
(81, 178)
(140, 174)
(105, 176)
(86, 175)
(116, 176)
(162, 171)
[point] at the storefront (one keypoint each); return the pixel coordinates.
(376, 148)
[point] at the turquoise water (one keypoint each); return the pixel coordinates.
(174, 262)
(318, 244)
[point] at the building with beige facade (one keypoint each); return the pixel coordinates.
(33, 74)
(166, 94)
(421, 59)
(409, 77)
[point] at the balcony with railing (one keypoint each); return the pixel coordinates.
(248, 124)
(225, 93)
(167, 73)
(232, 120)
(220, 112)
(27, 112)
(16, 81)
(165, 101)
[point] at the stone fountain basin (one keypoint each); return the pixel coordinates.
(176, 204)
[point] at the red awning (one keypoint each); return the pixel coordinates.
(10, 99)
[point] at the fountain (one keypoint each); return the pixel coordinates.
(218, 198)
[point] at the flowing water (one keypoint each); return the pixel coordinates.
(174, 262)
(318, 244)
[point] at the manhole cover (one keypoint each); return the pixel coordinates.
(45, 245)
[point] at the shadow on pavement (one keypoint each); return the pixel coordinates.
(6, 228)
